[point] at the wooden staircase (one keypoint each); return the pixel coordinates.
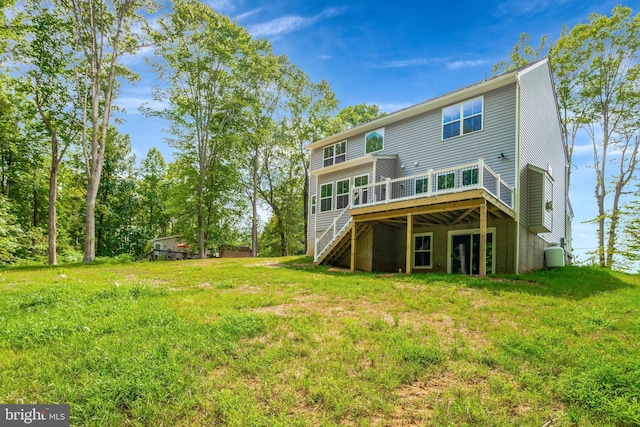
(342, 246)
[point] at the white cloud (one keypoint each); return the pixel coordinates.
(247, 14)
(456, 65)
(289, 23)
(530, 7)
(402, 63)
(414, 62)
(223, 6)
(406, 63)
(324, 57)
(579, 150)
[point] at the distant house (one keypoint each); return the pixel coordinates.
(171, 247)
(176, 247)
(470, 182)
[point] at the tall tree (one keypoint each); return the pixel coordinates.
(608, 48)
(266, 92)
(118, 205)
(46, 52)
(312, 108)
(204, 58)
(154, 194)
(22, 159)
(103, 32)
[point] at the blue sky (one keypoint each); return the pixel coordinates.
(393, 54)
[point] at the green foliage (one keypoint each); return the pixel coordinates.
(154, 192)
(522, 54)
(118, 206)
(205, 58)
(9, 232)
(355, 115)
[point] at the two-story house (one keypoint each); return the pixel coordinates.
(470, 182)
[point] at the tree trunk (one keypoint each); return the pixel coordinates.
(201, 249)
(283, 238)
(613, 225)
(254, 207)
(34, 220)
(601, 226)
(53, 195)
(90, 221)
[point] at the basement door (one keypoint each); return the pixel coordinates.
(464, 252)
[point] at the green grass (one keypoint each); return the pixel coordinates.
(280, 342)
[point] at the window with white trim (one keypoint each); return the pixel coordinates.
(313, 205)
(326, 196)
(374, 141)
(422, 246)
(342, 194)
(334, 154)
(422, 185)
(463, 118)
(446, 180)
(470, 177)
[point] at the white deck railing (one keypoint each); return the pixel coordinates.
(335, 229)
(431, 183)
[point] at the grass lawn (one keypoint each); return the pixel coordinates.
(280, 342)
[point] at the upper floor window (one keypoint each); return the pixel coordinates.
(463, 118)
(374, 141)
(313, 205)
(336, 153)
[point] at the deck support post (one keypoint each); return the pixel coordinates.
(354, 226)
(409, 242)
(483, 239)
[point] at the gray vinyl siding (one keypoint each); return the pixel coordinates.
(312, 218)
(535, 198)
(419, 145)
(541, 145)
(324, 219)
(385, 168)
(355, 149)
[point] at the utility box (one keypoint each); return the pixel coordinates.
(554, 257)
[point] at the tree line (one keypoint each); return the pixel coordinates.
(239, 117)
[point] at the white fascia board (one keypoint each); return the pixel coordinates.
(351, 163)
(533, 66)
